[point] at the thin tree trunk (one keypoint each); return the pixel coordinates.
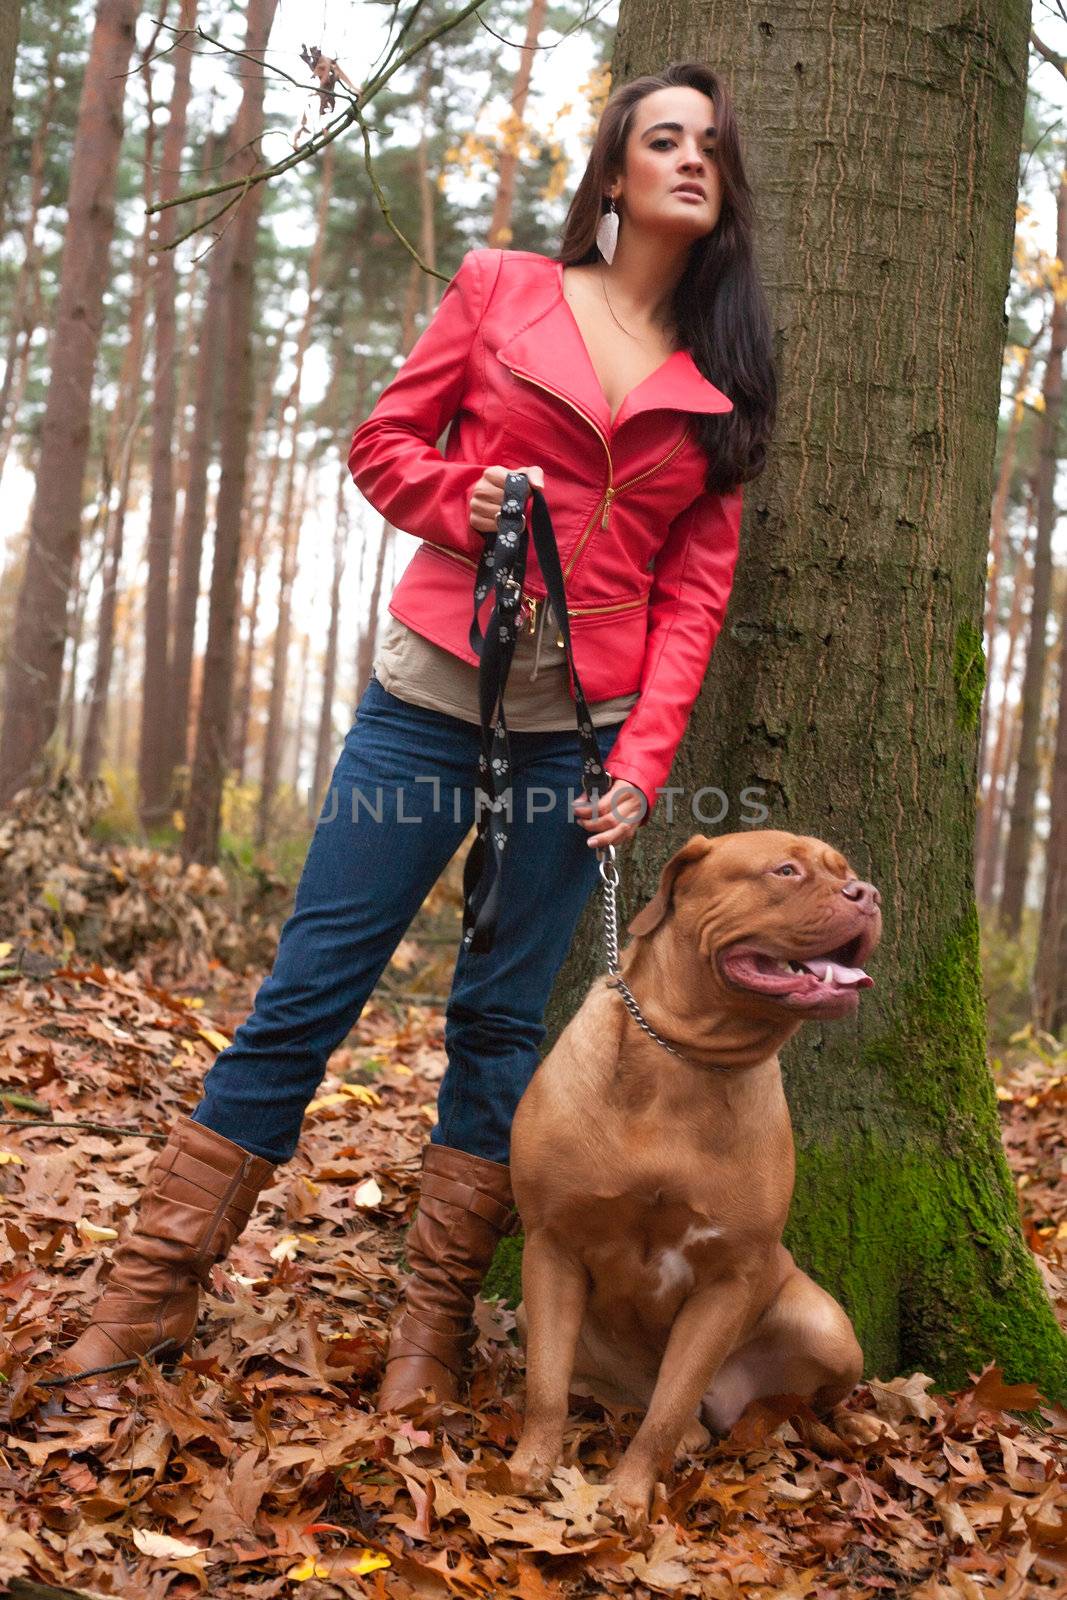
(259, 513)
(995, 804)
(93, 742)
(95, 547)
(290, 532)
(10, 22)
(200, 840)
(1050, 975)
(239, 753)
(154, 769)
(1021, 834)
(500, 231)
(120, 450)
(198, 458)
(297, 736)
(35, 667)
(19, 369)
(368, 639)
(272, 733)
(124, 628)
(26, 300)
(996, 541)
(324, 732)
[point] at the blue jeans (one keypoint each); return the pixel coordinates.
(400, 803)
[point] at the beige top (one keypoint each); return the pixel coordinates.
(536, 696)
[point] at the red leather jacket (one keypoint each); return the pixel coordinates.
(648, 556)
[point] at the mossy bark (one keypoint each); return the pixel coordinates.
(843, 696)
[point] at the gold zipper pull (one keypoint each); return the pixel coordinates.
(533, 604)
(609, 495)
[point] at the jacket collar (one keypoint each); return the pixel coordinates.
(549, 349)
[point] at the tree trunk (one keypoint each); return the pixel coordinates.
(995, 803)
(845, 687)
(500, 230)
(157, 709)
(198, 458)
(272, 743)
(368, 639)
(258, 515)
(1021, 833)
(35, 667)
(324, 740)
(998, 526)
(297, 731)
(272, 734)
(200, 841)
(10, 22)
(120, 452)
(239, 747)
(93, 742)
(1050, 977)
(26, 300)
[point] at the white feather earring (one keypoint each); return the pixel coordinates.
(607, 233)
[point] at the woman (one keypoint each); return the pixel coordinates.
(594, 365)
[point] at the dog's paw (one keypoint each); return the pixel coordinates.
(629, 1501)
(530, 1473)
(695, 1440)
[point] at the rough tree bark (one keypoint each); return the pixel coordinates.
(275, 729)
(200, 841)
(35, 667)
(198, 457)
(10, 22)
(846, 684)
(1028, 770)
(121, 451)
(154, 771)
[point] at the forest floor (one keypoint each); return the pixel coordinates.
(257, 1466)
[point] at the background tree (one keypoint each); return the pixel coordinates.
(35, 665)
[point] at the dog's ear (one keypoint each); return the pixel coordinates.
(652, 915)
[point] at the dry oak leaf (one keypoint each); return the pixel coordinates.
(163, 1547)
(664, 1565)
(578, 1500)
(500, 1518)
(904, 1397)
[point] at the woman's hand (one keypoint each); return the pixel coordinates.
(618, 815)
(487, 496)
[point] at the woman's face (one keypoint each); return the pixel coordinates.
(660, 158)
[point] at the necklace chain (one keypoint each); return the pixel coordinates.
(603, 289)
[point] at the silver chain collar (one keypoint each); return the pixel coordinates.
(609, 874)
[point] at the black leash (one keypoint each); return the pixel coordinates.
(503, 564)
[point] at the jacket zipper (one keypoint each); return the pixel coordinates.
(601, 510)
(603, 506)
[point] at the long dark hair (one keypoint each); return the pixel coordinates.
(719, 305)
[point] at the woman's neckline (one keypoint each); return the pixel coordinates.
(589, 360)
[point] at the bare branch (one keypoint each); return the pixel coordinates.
(325, 135)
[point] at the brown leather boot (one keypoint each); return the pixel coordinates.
(199, 1194)
(465, 1206)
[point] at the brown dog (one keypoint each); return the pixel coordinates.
(653, 1188)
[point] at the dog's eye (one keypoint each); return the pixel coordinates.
(787, 869)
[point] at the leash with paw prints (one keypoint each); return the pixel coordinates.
(503, 567)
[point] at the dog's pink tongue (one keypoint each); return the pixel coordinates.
(821, 966)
